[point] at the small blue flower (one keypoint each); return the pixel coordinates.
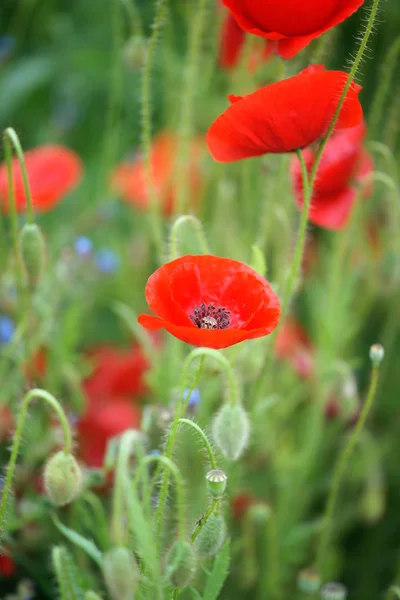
(7, 46)
(195, 397)
(83, 245)
(7, 329)
(107, 261)
(154, 453)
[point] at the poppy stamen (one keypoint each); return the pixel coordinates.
(210, 317)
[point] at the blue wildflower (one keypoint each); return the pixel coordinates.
(83, 245)
(195, 397)
(7, 329)
(107, 261)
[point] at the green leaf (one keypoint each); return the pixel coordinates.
(394, 592)
(87, 545)
(66, 574)
(218, 574)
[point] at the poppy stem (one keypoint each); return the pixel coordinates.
(214, 504)
(174, 238)
(340, 469)
(55, 405)
(204, 439)
(12, 137)
(155, 217)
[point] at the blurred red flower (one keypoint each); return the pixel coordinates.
(210, 301)
(53, 171)
(291, 23)
(294, 345)
(284, 116)
(129, 178)
(232, 43)
(7, 565)
(241, 504)
(6, 422)
(343, 164)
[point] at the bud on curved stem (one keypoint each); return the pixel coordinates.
(62, 478)
(10, 137)
(55, 405)
(33, 253)
(174, 237)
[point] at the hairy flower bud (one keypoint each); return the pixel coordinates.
(62, 478)
(181, 563)
(333, 591)
(308, 581)
(216, 482)
(211, 536)
(376, 354)
(33, 252)
(231, 430)
(121, 573)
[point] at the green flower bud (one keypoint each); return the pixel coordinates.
(333, 591)
(259, 512)
(211, 536)
(92, 596)
(216, 482)
(181, 562)
(62, 478)
(134, 52)
(33, 252)
(308, 581)
(376, 354)
(231, 430)
(121, 573)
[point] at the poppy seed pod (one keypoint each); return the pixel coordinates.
(211, 536)
(333, 591)
(33, 252)
(181, 563)
(62, 478)
(376, 354)
(231, 430)
(216, 482)
(121, 573)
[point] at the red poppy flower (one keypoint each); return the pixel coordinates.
(7, 566)
(241, 504)
(129, 178)
(294, 345)
(6, 422)
(53, 171)
(232, 42)
(343, 163)
(105, 418)
(284, 116)
(117, 372)
(292, 23)
(210, 301)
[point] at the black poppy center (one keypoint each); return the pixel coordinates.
(210, 317)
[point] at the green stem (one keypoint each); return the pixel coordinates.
(155, 216)
(273, 566)
(174, 239)
(387, 71)
(203, 438)
(188, 96)
(341, 468)
(204, 519)
(11, 136)
(180, 488)
(31, 395)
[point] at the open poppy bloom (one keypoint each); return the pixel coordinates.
(7, 566)
(294, 346)
(343, 164)
(53, 171)
(284, 116)
(291, 23)
(210, 301)
(232, 43)
(129, 178)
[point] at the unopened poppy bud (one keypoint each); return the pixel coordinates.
(121, 573)
(92, 596)
(231, 430)
(62, 478)
(134, 52)
(33, 252)
(259, 512)
(308, 581)
(376, 354)
(211, 536)
(216, 482)
(333, 591)
(181, 563)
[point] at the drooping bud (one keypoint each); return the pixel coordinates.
(121, 573)
(211, 536)
(308, 581)
(231, 430)
(181, 562)
(216, 482)
(333, 591)
(376, 354)
(62, 478)
(33, 253)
